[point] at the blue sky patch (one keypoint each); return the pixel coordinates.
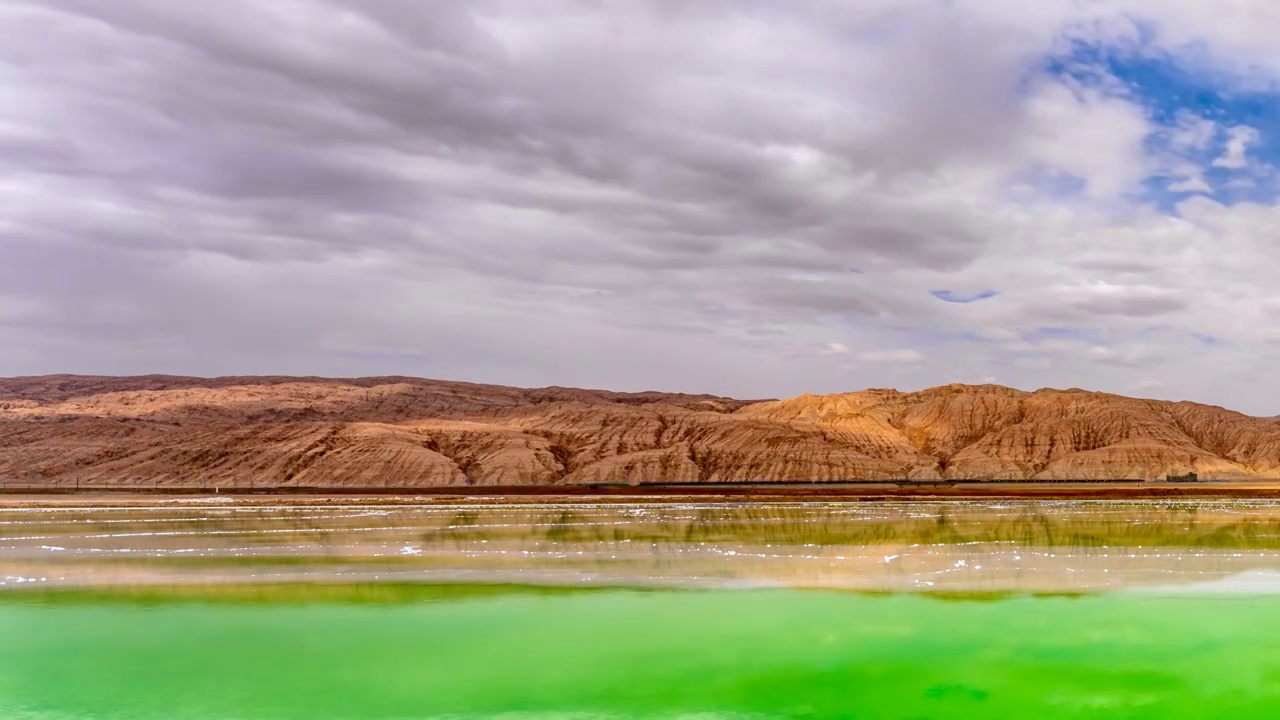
(1174, 90)
(956, 297)
(1208, 340)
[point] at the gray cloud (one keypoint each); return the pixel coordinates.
(639, 194)
(1140, 303)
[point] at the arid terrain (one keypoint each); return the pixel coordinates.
(163, 431)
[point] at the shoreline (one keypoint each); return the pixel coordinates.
(762, 493)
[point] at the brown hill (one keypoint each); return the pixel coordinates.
(180, 431)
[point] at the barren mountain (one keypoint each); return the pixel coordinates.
(179, 431)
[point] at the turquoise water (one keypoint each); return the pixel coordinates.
(1048, 610)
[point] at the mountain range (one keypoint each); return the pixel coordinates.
(172, 431)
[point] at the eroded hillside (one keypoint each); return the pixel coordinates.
(171, 431)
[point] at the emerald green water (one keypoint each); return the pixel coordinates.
(753, 653)
(863, 610)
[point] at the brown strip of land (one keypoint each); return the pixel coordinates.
(1269, 489)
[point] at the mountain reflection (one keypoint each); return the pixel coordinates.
(962, 547)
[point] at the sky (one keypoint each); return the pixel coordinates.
(754, 199)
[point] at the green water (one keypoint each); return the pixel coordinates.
(623, 653)
(226, 610)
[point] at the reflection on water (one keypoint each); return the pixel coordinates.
(969, 547)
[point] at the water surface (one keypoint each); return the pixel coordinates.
(894, 610)
(950, 546)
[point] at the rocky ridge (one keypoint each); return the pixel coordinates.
(409, 432)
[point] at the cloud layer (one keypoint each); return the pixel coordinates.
(750, 199)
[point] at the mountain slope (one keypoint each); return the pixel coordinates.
(175, 431)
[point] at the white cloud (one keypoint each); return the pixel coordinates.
(1195, 183)
(1085, 133)
(1239, 139)
(1192, 132)
(892, 357)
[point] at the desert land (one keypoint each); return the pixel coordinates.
(165, 432)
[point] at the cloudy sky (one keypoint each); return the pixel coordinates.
(746, 198)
